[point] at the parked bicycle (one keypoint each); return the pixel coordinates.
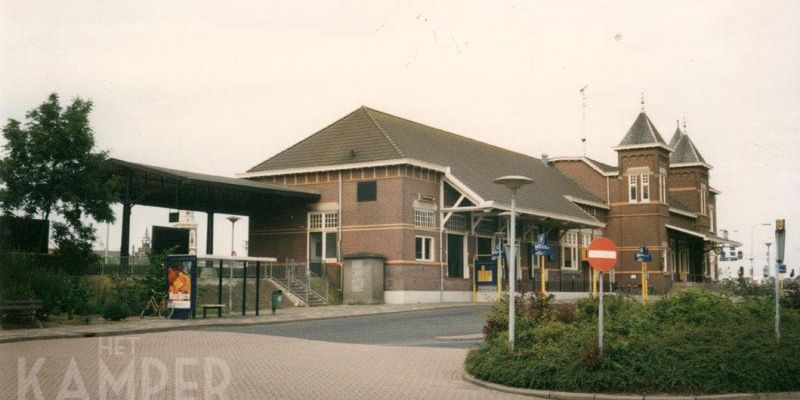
(158, 304)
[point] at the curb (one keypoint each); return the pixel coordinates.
(548, 394)
(78, 335)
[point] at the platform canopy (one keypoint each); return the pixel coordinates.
(149, 185)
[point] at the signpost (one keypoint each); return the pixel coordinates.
(644, 256)
(542, 249)
(780, 240)
(602, 255)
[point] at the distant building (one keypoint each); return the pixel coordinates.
(186, 221)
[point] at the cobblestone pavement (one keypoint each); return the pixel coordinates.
(198, 364)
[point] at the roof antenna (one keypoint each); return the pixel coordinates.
(643, 101)
(583, 115)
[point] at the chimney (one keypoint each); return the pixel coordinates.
(545, 161)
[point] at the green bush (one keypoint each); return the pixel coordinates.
(690, 343)
(115, 310)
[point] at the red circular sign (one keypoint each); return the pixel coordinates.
(602, 254)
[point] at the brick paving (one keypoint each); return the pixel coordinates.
(261, 367)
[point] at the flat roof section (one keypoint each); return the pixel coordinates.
(150, 185)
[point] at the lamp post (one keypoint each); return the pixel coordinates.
(766, 268)
(752, 239)
(512, 182)
(230, 266)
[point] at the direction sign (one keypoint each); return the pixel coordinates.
(602, 254)
(542, 250)
(643, 255)
(781, 268)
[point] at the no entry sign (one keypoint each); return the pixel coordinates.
(602, 254)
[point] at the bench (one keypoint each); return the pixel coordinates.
(218, 307)
(21, 308)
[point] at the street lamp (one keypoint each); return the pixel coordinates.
(230, 266)
(512, 182)
(752, 239)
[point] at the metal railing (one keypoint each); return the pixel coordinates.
(299, 280)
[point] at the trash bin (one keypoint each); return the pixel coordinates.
(277, 300)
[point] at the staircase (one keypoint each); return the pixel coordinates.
(303, 284)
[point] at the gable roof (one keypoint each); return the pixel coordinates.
(685, 153)
(601, 167)
(368, 135)
(642, 134)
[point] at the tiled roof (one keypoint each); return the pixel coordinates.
(673, 203)
(685, 152)
(642, 132)
(603, 166)
(370, 135)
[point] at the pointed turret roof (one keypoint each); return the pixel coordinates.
(676, 137)
(685, 153)
(642, 134)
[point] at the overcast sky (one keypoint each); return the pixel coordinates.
(218, 87)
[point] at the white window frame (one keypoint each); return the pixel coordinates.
(632, 189)
(569, 243)
(324, 222)
(425, 257)
(645, 188)
(703, 199)
(662, 186)
(424, 218)
(711, 219)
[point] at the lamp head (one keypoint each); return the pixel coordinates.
(513, 181)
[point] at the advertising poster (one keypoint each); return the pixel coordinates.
(179, 280)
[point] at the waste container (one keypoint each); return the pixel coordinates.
(277, 300)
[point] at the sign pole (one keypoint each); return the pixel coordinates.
(541, 276)
(780, 238)
(600, 319)
(644, 282)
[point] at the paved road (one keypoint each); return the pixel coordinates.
(451, 328)
(196, 364)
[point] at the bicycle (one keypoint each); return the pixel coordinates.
(157, 306)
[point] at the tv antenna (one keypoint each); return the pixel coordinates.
(583, 118)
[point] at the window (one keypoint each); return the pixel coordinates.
(322, 235)
(367, 191)
(569, 251)
(645, 187)
(711, 219)
(632, 188)
(456, 223)
(703, 190)
(424, 218)
(424, 248)
(662, 186)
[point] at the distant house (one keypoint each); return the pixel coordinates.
(425, 199)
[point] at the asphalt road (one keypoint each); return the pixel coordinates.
(450, 328)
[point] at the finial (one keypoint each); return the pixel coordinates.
(642, 101)
(685, 132)
(678, 123)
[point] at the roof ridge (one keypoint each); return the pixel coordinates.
(383, 131)
(452, 134)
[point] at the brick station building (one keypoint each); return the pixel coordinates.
(425, 200)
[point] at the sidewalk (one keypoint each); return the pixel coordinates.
(154, 324)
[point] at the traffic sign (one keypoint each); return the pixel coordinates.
(781, 268)
(602, 254)
(643, 255)
(542, 239)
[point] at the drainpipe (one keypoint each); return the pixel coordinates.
(339, 238)
(441, 239)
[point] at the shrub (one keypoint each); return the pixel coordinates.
(115, 310)
(690, 343)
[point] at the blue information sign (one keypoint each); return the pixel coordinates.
(781, 268)
(643, 255)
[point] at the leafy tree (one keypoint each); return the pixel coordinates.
(51, 168)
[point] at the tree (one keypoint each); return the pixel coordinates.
(52, 169)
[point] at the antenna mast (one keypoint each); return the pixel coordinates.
(583, 118)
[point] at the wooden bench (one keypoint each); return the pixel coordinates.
(18, 308)
(218, 307)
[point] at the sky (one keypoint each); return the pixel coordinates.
(219, 87)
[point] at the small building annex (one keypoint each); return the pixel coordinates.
(423, 198)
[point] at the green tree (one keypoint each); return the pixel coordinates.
(51, 168)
